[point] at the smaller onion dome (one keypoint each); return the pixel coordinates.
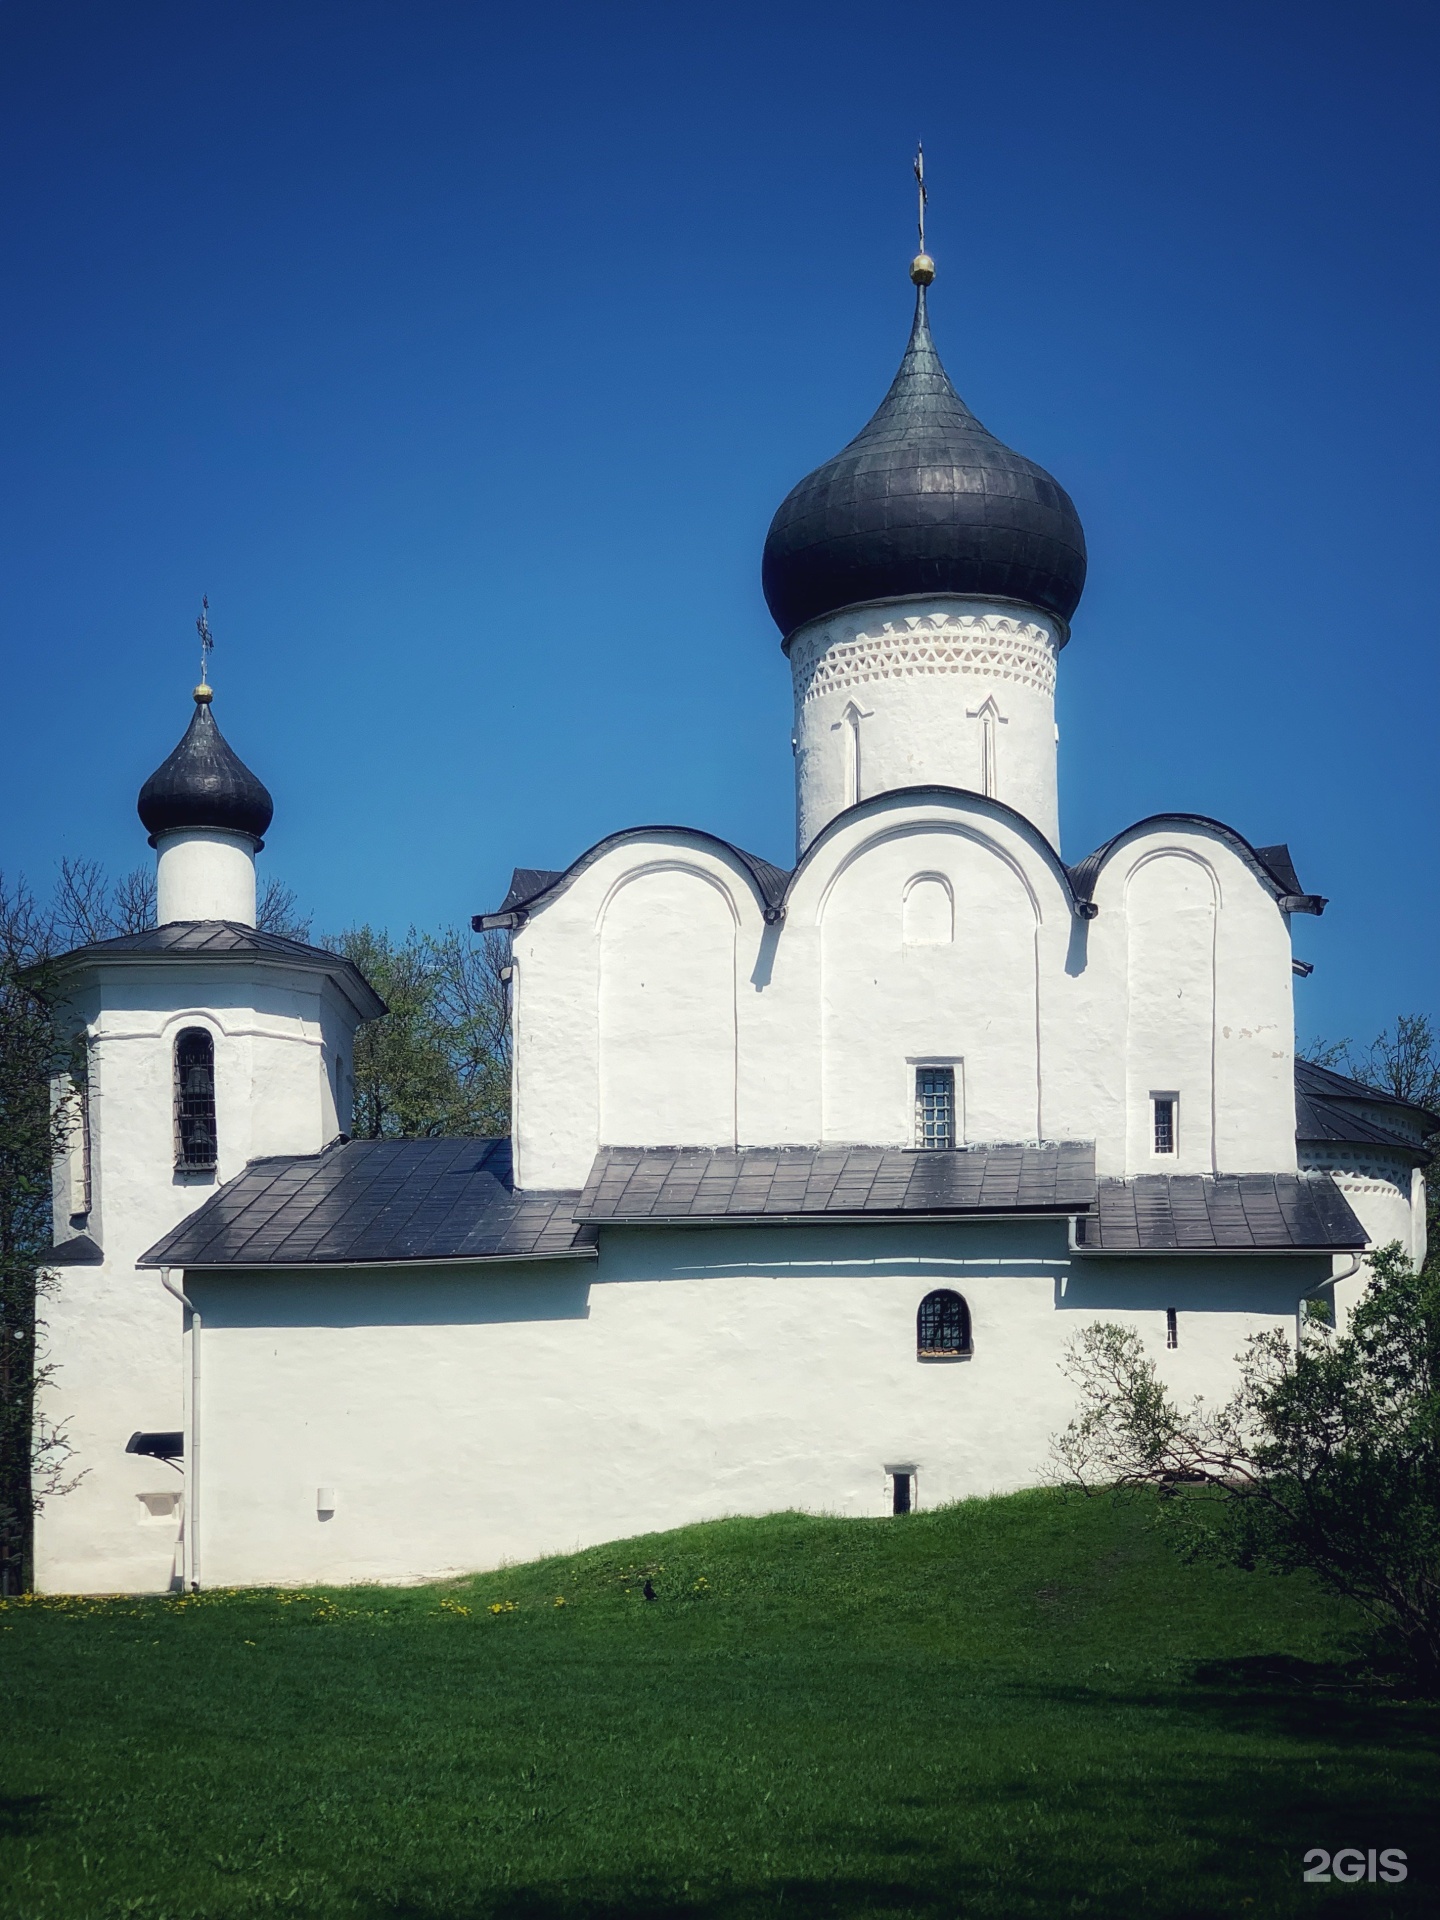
(204, 784)
(924, 500)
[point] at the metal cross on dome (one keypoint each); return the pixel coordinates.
(207, 639)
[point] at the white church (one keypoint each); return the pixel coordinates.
(814, 1173)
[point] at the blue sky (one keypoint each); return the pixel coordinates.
(461, 354)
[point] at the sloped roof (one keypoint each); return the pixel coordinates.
(1220, 1213)
(1325, 1103)
(221, 940)
(375, 1202)
(658, 1184)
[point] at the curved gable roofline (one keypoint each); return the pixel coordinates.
(1085, 876)
(534, 887)
(1010, 815)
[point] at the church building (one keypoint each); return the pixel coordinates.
(814, 1172)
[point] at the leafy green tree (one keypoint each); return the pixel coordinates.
(438, 1064)
(33, 1130)
(1326, 1457)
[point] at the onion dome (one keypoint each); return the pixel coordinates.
(923, 501)
(204, 784)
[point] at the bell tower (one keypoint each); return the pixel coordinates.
(209, 1042)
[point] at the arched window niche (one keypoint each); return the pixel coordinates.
(194, 1101)
(928, 912)
(942, 1327)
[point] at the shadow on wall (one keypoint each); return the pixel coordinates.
(395, 1298)
(1198, 1285)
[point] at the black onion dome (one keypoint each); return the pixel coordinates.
(924, 500)
(204, 784)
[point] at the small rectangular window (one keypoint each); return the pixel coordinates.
(934, 1106)
(1172, 1327)
(1163, 1106)
(902, 1492)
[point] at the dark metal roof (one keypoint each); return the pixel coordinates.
(375, 1202)
(1221, 1213)
(924, 500)
(204, 783)
(1324, 1103)
(1272, 866)
(659, 1184)
(221, 940)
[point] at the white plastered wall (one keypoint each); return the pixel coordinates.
(948, 691)
(655, 1006)
(466, 1417)
(112, 1332)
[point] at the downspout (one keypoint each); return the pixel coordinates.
(193, 1325)
(1347, 1273)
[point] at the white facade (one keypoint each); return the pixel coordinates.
(461, 1418)
(655, 1004)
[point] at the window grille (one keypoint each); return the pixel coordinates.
(935, 1107)
(194, 1099)
(942, 1326)
(1164, 1109)
(1172, 1327)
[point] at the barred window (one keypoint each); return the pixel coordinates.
(935, 1106)
(1164, 1105)
(1172, 1327)
(194, 1099)
(942, 1326)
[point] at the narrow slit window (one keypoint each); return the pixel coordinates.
(194, 1099)
(935, 1107)
(1172, 1327)
(942, 1326)
(1163, 1106)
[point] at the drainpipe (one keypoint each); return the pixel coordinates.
(192, 1438)
(1346, 1273)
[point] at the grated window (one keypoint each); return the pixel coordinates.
(942, 1326)
(935, 1107)
(1172, 1327)
(194, 1099)
(1164, 1110)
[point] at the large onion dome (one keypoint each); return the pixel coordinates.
(204, 783)
(923, 501)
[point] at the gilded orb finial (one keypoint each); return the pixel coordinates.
(922, 267)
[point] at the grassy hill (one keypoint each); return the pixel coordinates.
(1010, 1707)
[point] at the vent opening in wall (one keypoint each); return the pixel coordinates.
(1164, 1109)
(942, 1326)
(935, 1107)
(194, 1100)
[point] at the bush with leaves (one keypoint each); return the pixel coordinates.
(1326, 1457)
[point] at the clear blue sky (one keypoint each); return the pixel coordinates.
(461, 354)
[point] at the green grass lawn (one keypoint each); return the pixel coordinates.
(1010, 1707)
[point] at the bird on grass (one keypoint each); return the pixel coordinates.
(649, 1591)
